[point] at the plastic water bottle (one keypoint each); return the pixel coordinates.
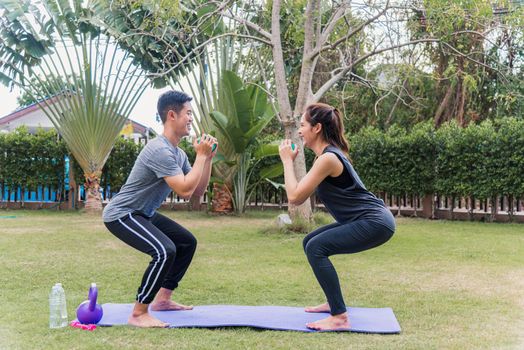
(57, 307)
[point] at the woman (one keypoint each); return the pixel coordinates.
(362, 220)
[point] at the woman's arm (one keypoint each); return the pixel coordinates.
(299, 191)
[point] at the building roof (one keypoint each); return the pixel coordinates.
(20, 112)
(24, 111)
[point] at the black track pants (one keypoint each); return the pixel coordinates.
(170, 246)
(338, 238)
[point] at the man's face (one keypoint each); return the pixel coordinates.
(183, 119)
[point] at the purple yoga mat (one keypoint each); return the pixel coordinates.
(363, 320)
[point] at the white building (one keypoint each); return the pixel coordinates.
(34, 118)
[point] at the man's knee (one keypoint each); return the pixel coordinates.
(170, 252)
(190, 243)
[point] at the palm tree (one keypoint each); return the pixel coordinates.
(92, 82)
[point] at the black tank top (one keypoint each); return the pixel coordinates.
(354, 201)
(343, 180)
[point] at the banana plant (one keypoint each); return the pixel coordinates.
(92, 84)
(205, 84)
(243, 112)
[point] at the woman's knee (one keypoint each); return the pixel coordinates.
(305, 241)
(315, 248)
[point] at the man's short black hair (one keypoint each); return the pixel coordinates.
(171, 100)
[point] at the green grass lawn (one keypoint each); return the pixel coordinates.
(452, 285)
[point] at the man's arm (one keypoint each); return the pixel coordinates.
(204, 180)
(185, 185)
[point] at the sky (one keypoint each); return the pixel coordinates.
(144, 112)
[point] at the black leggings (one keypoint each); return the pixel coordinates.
(338, 238)
(170, 245)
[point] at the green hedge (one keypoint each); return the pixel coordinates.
(481, 160)
(27, 160)
(117, 167)
(31, 160)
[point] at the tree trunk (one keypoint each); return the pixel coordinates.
(451, 207)
(72, 186)
(494, 209)
(93, 202)
(428, 205)
(194, 203)
(440, 117)
(471, 208)
(287, 118)
(2, 193)
(510, 208)
(222, 201)
(461, 97)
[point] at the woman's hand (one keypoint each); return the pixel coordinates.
(287, 153)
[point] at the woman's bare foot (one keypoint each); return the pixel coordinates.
(332, 323)
(319, 308)
(145, 321)
(169, 305)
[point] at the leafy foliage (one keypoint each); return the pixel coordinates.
(93, 83)
(243, 112)
(28, 161)
(31, 160)
(481, 160)
(42, 87)
(117, 167)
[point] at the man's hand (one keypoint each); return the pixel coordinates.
(204, 145)
(214, 148)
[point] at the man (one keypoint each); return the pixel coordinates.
(131, 216)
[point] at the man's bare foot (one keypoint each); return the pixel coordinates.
(332, 323)
(319, 308)
(169, 305)
(146, 321)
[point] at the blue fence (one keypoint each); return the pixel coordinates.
(40, 194)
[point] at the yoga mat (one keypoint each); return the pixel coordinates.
(363, 320)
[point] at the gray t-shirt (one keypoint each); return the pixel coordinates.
(145, 188)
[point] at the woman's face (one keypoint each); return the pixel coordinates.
(306, 132)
